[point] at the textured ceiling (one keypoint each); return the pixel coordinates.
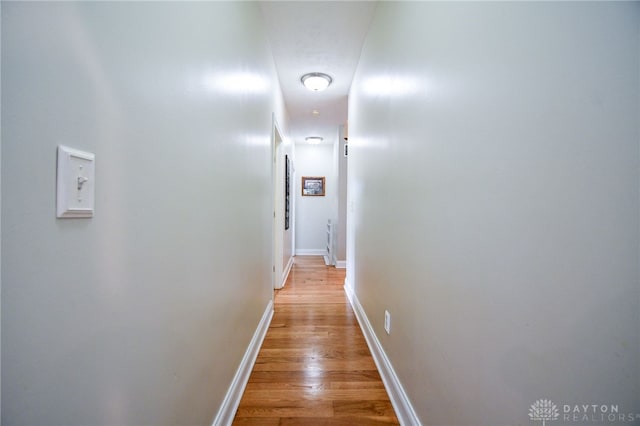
(316, 36)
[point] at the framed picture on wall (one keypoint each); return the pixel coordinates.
(313, 186)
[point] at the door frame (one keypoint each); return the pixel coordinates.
(277, 200)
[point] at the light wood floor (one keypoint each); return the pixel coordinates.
(314, 367)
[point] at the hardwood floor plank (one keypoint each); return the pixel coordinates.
(285, 408)
(257, 421)
(335, 421)
(318, 384)
(318, 393)
(314, 366)
(317, 364)
(301, 376)
(377, 410)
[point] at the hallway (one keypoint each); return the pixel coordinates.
(314, 366)
(480, 171)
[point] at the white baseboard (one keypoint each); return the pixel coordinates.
(231, 401)
(285, 274)
(401, 404)
(341, 264)
(311, 252)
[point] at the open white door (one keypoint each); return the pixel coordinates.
(277, 185)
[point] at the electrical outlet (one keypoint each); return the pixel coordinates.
(387, 322)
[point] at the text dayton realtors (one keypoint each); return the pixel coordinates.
(596, 413)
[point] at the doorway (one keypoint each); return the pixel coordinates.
(283, 209)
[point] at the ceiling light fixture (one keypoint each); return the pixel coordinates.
(316, 81)
(313, 139)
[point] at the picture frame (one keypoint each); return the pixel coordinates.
(313, 186)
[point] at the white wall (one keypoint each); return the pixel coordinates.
(142, 314)
(0, 222)
(494, 167)
(312, 213)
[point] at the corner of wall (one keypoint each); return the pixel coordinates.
(231, 401)
(399, 399)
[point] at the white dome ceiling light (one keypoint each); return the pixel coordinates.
(314, 139)
(316, 81)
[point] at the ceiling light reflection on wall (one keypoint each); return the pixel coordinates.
(390, 86)
(236, 82)
(316, 81)
(313, 139)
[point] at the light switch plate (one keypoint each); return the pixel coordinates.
(76, 183)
